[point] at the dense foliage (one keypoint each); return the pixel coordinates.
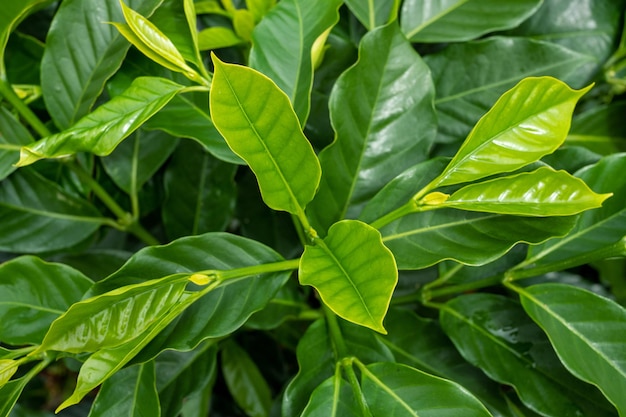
(317, 208)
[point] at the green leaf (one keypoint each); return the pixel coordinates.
(199, 193)
(245, 382)
(374, 13)
(217, 37)
(377, 135)
(10, 392)
(259, 125)
(433, 353)
(461, 20)
(543, 192)
(82, 51)
(586, 331)
(12, 137)
(130, 392)
(527, 122)
(94, 323)
(595, 229)
(135, 160)
(354, 273)
(259, 8)
(394, 389)
(243, 23)
(176, 20)
(423, 239)
(103, 129)
(282, 45)
(32, 294)
(39, 216)
(467, 87)
(599, 129)
(492, 332)
(332, 398)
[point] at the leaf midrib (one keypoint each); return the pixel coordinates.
(434, 18)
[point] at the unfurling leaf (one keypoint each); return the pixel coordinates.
(354, 273)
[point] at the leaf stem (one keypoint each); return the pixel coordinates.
(232, 274)
(347, 365)
(7, 92)
(336, 337)
(408, 208)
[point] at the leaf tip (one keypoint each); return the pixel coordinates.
(27, 157)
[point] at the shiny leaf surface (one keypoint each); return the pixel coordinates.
(354, 273)
(32, 294)
(259, 125)
(461, 20)
(377, 135)
(424, 239)
(586, 331)
(102, 130)
(12, 137)
(282, 44)
(527, 122)
(543, 192)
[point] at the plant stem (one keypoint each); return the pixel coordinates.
(408, 208)
(339, 344)
(247, 271)
(347, 365)
(7, 92)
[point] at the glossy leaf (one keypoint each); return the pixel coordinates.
(200, 192)
(245, 382)
(433, 353)
(177, 21)
(377, 135)
(218, 313)
(32, 294)
(94, 323)
(595, 229)
(374, 13)
(543, 192)
(467, 87)
(39, 216)
(461, 20)
(103, 129)
(424, 239)
(490, 332)
(599, 129)
(354, 273)
(527, 122)
(130, 392)
(82, 52)
(332, 398)
(394, 389)
(586, 331)
(282, 44)
(12, 137)
(257, 121)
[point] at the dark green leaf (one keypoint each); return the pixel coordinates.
(332, 398)
(377, 135)
(467, 87)
(102, 130)
(374, 13)
(282, 45)
(461, 20)
(354, 273)
(600, 129)
(39, 216)
(200, 192)
(586, 331)
(10, 392)
(423, 239)
(32, 294)
(492, 333)
(82, 52)
(12, 137)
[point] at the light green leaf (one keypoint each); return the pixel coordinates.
(492, 332)
(527, 122)
(282, 45)
(377, 135)
(176, 20)
(243, 23)
(259, 125)
(600, 129)
(113, 318)
(245, 382)
(102, 130)
(595, 229)
(10, 392)
(372, 13)
(200, 192)
(32, 294)
(586, 331)
(332, 398)
(461, 20)
(13, 135)
(467, 87)
(82, 52)
(259, 8)
(217, 37)
(393, 389)
(8, 368)
(543, 192)
(354, 273)
(423, 239)
(131, 392)
(39, 216)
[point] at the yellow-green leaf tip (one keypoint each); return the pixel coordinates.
(27, 157)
